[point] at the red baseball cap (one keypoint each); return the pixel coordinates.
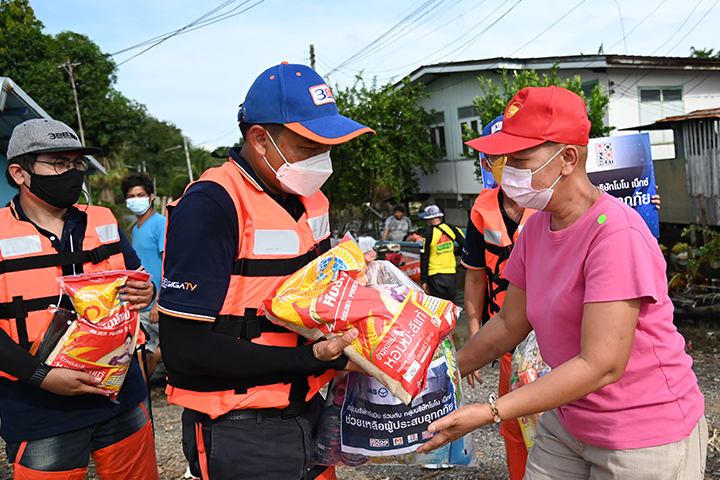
(536, 115)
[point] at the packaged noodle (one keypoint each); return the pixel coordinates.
(527, 366)
(101, 340)
(400, 328)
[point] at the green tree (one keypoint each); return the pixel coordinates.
(496, 97)
(373, 168)
(708, 53)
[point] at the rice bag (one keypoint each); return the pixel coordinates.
(527, 366)
(400, 327)
(101, 340)
(363, 423)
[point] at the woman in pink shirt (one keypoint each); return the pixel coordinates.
(587, 275)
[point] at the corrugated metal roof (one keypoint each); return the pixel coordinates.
(697, 114)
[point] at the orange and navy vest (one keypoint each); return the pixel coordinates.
(29, 266)
(488, 220)
(272, 246)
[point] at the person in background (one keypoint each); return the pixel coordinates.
(397, 226)
(586, 274)
(148, 239)
(438, 266)
(54, 419)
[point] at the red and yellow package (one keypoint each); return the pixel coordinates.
(102, 339)
(399, 328)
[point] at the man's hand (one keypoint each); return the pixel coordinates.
(370, 255)
(64, 381)
(154, 314)
(474, 376)
(333, 348)
(425, 288)
(140, 294)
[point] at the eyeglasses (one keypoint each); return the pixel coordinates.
(63, 164)
(496, 160)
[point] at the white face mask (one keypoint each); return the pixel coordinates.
(305, 177)
(138, 205)
(517, 184)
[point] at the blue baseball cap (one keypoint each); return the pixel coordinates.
(298, 98)
(492, 127)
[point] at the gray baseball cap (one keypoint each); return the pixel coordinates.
(41, 135)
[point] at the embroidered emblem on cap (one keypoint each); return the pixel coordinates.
(513, 109)
(321, 94)
(496, 128)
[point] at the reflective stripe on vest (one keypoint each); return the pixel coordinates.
(487, 217)
(272, 246)
(29, 266)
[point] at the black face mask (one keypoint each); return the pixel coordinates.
(60, 191)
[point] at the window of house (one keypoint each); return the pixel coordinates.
(588, 87)
(437, 132)
(660, 102)
(469, 118)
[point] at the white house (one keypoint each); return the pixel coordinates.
(641, 89)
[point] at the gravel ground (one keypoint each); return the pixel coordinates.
(488, 442)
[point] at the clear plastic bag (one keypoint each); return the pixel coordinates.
(527, 366)
(400, 326)
(364, 423)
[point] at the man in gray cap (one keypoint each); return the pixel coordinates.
(52, 419)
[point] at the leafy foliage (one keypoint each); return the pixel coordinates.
(127, 133)
(496, 97)
(374, 168)
(708, 53)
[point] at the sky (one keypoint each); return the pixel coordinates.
(197, 78)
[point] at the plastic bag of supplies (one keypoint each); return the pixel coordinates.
(400, 326)
(101, 338)
(364, 423)
(527, 366)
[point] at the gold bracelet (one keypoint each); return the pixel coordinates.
(493, 409)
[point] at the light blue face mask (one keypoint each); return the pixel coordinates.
(138, 205)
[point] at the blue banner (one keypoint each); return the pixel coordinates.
(622, 166)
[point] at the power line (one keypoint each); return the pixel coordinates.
(383, 35)
(693, 28)
(679, 28)
(546, 30)
(420, 61)
(636, 26)
(198, 23)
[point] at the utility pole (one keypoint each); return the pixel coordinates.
(187, 157)
(312, 56)
(68, 67)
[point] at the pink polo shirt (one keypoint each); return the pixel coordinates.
(607, 255)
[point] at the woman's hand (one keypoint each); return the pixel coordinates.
(456, 425)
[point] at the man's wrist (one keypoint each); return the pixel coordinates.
(39, 374)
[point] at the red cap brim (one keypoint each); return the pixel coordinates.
(502, 143)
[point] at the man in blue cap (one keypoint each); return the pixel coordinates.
(249, 387)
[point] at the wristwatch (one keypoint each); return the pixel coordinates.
(493, 409)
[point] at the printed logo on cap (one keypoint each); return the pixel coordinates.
(321, 94)
(496, 128)
(513, 109)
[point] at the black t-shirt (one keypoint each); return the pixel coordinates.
(31, 413)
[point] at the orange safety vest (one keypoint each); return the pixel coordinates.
(272, 246)
(488, 220)
(29, 266)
